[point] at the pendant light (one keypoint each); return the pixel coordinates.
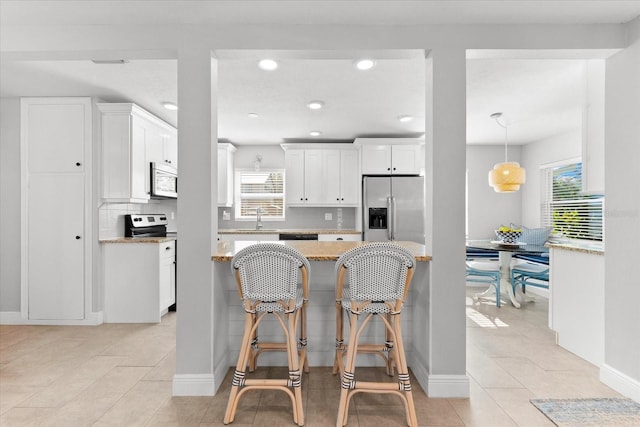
(506, 177)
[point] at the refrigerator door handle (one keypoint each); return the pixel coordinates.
(391, 218)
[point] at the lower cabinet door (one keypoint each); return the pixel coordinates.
(55, 247)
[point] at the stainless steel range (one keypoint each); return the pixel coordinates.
(145, 225)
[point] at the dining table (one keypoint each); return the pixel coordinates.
(506, 251)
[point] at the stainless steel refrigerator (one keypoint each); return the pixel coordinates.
(393, 208)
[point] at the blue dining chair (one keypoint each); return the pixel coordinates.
(485, 272)
(525, 274)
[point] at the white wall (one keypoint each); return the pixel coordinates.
(549, 150)
(10, 204)
(622, 218)
(486, 209)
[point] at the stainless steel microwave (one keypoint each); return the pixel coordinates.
(164, 181)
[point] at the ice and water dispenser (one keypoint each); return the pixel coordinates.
(377, 218)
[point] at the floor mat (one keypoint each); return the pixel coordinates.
(599, 412)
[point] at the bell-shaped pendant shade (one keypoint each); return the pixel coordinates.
(507, 177)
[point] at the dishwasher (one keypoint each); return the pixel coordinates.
(298, 236)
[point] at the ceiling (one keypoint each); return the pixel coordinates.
(539, 98)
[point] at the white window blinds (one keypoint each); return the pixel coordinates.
(259, 189)
(565, 208)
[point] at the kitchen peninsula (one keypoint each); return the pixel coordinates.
(229, 320)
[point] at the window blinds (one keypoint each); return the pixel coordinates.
(259, 189)
(564, 207)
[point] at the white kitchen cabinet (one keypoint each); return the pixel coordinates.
(576, 303)
(248, 237)
(342, 181)
(132, 138)
(139, 281)
(383, 156)
(161, 145)
(321, 176)
(334, 237)
(56, 195)
(304, 177)
(225, 174)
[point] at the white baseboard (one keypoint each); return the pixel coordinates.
(193, 385)
(450, 386)
(438, 385)
(620, 382)
(15, 318)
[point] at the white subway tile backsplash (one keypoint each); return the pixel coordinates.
(111, 215)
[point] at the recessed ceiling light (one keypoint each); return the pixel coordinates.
(170, 106)
(252, 115)
(365, 64)
(315, 105)
(268, 64)
(315, 133)
(405, 118)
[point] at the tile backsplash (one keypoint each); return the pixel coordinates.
(111, 215)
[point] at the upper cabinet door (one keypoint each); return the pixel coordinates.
(376, 159)
(294, 164)
(332, 178)
(57, 130)
(405, 159)
(349, 178)
(314, 177)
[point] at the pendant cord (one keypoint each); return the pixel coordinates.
(497, 119)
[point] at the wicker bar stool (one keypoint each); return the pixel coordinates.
(267, 275)
(378, 276)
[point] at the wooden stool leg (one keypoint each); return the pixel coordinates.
(303, 337)
(403, 372)
(337, 363)
(238, 375)
(348, 376)
(295, 377)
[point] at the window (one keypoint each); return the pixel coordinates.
(565, 208)
(259, 189)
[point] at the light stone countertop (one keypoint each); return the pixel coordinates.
(282, 230)
(312, 249)
(594, 248)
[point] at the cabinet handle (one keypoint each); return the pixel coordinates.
(394, 168)
(78, 237)
(342, 199)
(168, 248)
(339, 238)
(388, 169)
(305, 199)
(338, 198)
(78, 164)
(301, 198)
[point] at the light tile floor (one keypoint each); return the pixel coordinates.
(120, 375)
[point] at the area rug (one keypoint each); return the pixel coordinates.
(599, 412)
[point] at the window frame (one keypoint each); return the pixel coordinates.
(586, 207)
(239, 196)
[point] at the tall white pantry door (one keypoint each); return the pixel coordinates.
(55, 144)
(56, 246)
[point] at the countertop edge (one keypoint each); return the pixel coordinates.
(575, 247)
(312, 250)
(292, 231)
(138, 239)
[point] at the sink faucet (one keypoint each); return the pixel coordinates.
(258, 218)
